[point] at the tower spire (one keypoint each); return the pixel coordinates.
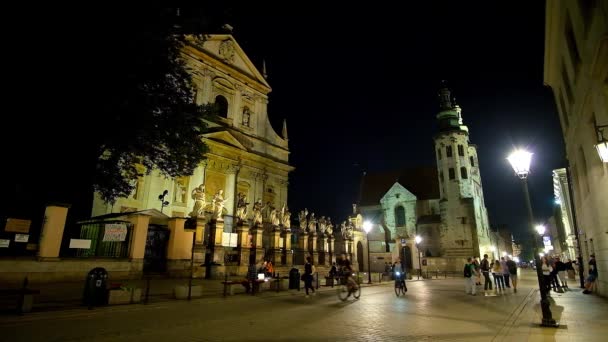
(284, 133)
(264, 73)
(445, 99)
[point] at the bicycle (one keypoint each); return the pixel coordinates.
(400, 287)
(348, 287)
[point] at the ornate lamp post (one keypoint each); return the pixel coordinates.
(418, 239)
(520, 161)
(367, 227)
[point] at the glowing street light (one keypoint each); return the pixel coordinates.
(520, 161)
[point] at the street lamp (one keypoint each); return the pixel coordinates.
(602, 143)
(520, 161)
(367, 226)
(418, 239)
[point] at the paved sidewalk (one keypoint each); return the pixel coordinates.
(432, 310)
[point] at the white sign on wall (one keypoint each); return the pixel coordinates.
(4, 243)
(229, 239)
(115, 232)
(22, 237)
(80, 243)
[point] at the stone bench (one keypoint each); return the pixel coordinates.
(18, 294)
(228, 289)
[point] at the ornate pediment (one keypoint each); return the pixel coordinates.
(225, 49)
(227, 138)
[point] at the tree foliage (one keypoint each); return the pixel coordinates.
(150, 115)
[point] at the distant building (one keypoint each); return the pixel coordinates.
(576, 69)
(444, 206)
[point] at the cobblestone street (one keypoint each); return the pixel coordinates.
(432, 310)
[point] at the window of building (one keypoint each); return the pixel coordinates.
(221, 105)
(399, 216)
(472, 161)
(452, 174)
(439, 153)
(448, 151)
(461, 150)
(571, 45)
(463, 173)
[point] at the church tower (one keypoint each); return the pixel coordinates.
(464, 220)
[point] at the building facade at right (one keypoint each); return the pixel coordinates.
(576, 69)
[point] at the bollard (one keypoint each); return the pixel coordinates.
(21, 299)
(317, 276)
(225, 283)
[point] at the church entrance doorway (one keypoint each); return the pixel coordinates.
(360, 259)
(406, 257)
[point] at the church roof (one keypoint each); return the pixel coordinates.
(421, 181)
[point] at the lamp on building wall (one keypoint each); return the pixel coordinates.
(602, 143)
(520, 161)
(367, 227)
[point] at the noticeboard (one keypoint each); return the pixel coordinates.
(17, 225)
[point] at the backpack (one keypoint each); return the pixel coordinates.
(467, 271)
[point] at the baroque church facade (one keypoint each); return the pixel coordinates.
(444, 206)
(245, 154)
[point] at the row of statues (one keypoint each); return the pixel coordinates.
(215, 208)
(276, 217)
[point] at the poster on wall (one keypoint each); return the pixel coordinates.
(22, 237)
(4, 243)
(115, 232)
(229, 239)
(17, 225)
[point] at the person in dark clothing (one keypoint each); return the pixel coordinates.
(309, 270)
(485, 270)
(592, 275)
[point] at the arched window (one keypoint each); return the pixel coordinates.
(399, 216)
(463, 173)
(221, 105)
(461, 150)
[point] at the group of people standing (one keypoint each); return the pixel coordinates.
(503, 271)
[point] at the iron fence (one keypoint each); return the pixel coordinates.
(103, 242)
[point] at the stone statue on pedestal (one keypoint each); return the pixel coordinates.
(217, 204)
(322, 225)
(241, 207)
(312, 223)
(274, 217)
(286, 217)
(257, 212)
(302, 219)
(198, 195)
(329, 230)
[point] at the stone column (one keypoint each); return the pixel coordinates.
(332, 251)
(243, 243)
(303, 247)
(287, 247)
(179, 246)
(139, 236)
(206, 95)
(323, 249)
(314, 248)
(199, 247)
(231, 193)
(218, 249)
(257, 234)
(276, 245)
(51, 234)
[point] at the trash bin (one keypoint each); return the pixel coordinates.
(95, 287)
(294, 279)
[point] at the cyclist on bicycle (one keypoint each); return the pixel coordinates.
(399, 273)
(347, 272)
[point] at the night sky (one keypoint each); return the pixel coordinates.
(357, 84)
(358, 87)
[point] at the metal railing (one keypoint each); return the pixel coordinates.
(102, 245)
